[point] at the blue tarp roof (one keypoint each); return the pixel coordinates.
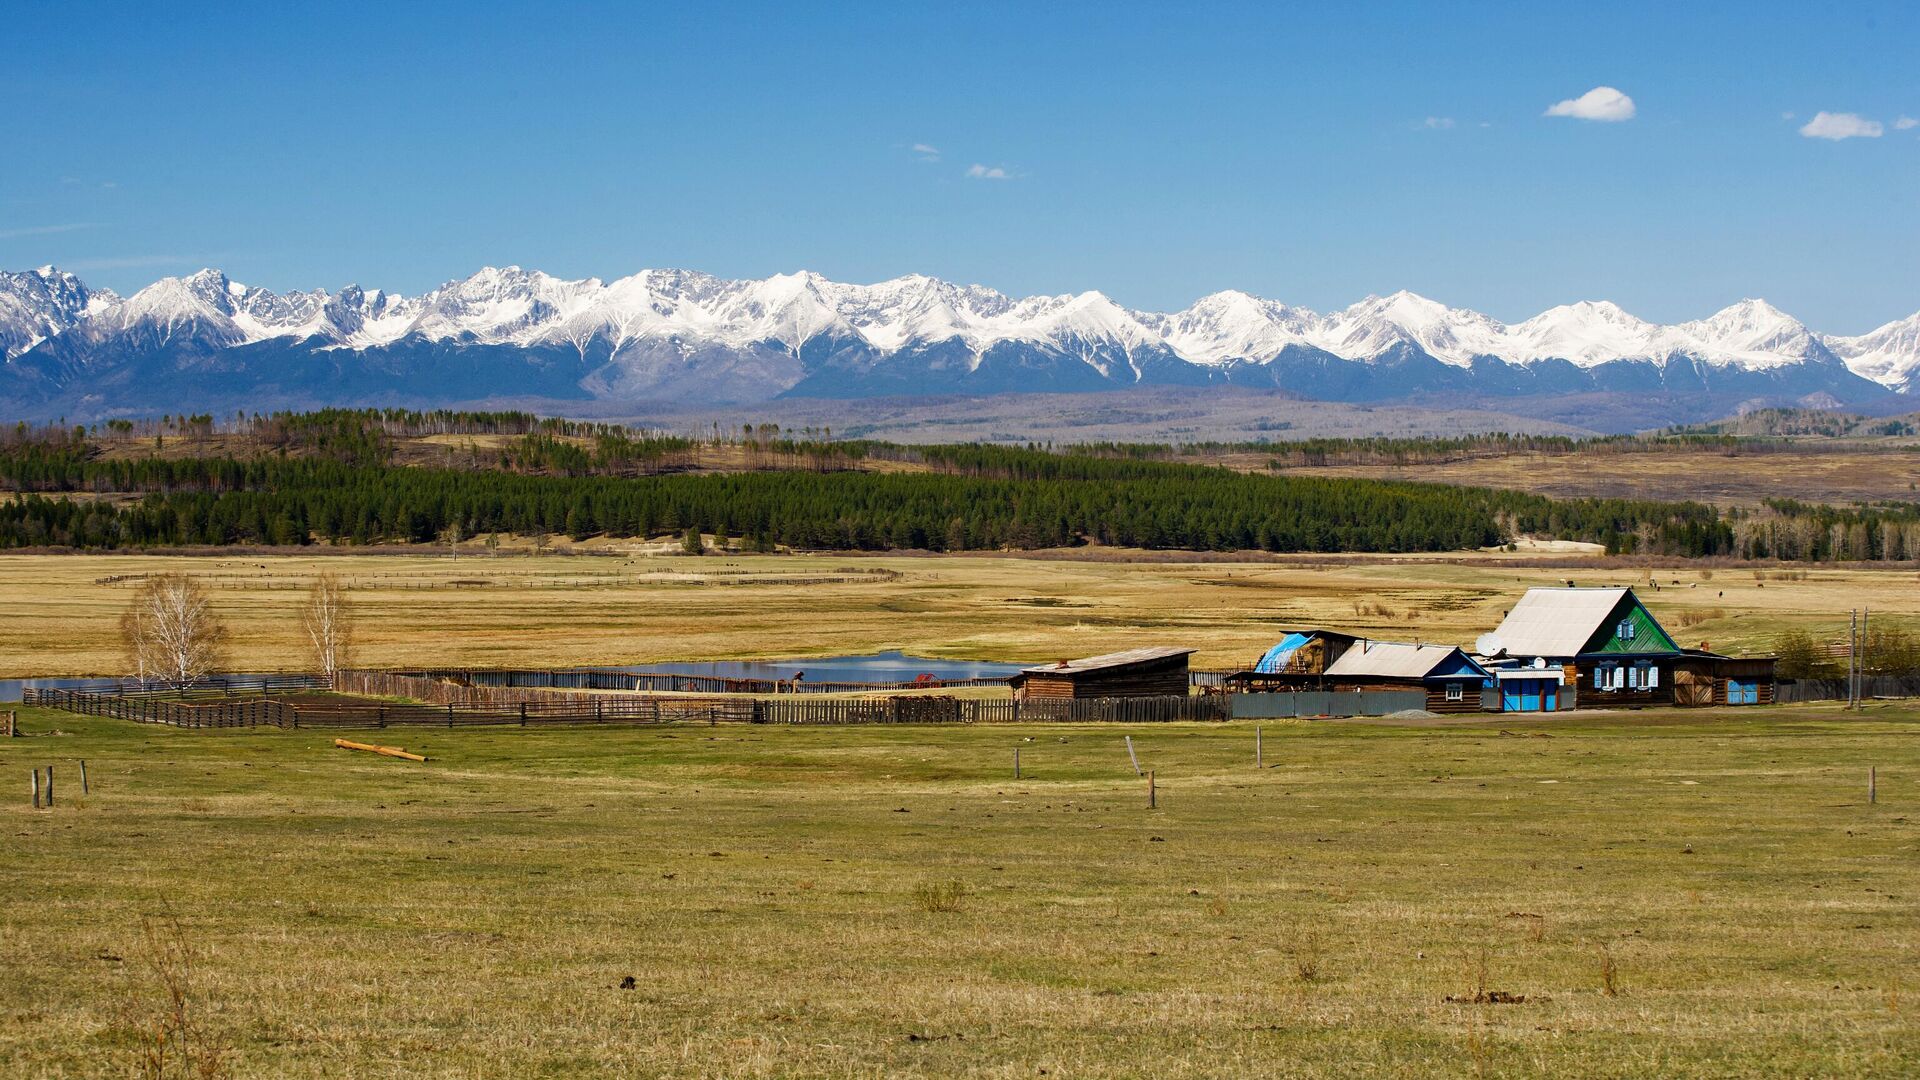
(1276, 658)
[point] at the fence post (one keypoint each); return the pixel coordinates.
(49, 787)
(523, 714)
(83, 777)
(1131, 756)
(1153, 797)
(1873, 793)
(1256, 747)
(36, 787)
(1016, 763)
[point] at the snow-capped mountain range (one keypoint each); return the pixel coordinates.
(666, 336)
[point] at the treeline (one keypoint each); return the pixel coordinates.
(295, 500)
(330, 476)
(975, 497)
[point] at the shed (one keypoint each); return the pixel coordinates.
(1152, 672)
(1297, 659)
(1708, 678)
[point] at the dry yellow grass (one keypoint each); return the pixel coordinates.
(1725, 478)
(888, 901)
(55, 618)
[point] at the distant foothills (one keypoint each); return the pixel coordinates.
(673, 338)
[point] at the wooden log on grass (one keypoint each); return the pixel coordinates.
(386, 751)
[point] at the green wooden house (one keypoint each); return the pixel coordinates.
(1598, 648)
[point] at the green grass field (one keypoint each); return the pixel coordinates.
(891, 902)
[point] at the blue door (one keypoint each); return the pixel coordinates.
(1743, 693)
(1526, 695)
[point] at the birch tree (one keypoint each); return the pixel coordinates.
(328, 621)
(171, 633)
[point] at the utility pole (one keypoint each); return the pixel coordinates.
(1853, 655)
(1861, 698)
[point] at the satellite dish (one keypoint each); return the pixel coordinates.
(1487, 645)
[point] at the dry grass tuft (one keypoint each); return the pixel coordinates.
(935, 897)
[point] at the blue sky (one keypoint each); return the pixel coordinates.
(1155, 152)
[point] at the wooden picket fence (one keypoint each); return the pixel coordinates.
(537, 708)
(655, 682)
(279, 713)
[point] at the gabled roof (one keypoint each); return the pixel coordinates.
(1400, 660)
(1553, 622)
(1106, 660)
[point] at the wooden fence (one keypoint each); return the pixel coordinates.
(1871, 686)
(659, 682)
(277, 713)
(583, 708)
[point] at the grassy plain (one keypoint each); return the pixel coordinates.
(59, 614)
(891, 902)
(1724, 477)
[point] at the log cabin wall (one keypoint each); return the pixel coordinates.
(1156, 678)
(1625, 697)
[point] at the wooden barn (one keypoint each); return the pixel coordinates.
(1327, 660)
(1451, 679)
(1133, 673)
(1300, 654)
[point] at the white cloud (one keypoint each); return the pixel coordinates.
(1439, 123)
(988, 172)
(1905, 123)
(131, 262)
(1599, 103)
(1841, 125)
(1788, 115)
(46, 230)
(926, 153)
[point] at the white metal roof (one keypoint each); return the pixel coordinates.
(1551, 622)
(1390, 659)
(1108, 660)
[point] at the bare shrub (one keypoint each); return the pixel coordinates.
(327, 619)
(1801, 657)
(162, 1008)
(1696, 616)
(1306, 960)
(940, 896)
(170, 633)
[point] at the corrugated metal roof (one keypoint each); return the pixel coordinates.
(1107, 660)
(1390, 659)
(1551, 622)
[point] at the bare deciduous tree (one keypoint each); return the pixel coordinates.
(171, 633)
(328, 621)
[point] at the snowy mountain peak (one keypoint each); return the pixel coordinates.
(1889, 355)
(42, 303)
(780, 319)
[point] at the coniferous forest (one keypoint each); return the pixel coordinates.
(332, 478)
